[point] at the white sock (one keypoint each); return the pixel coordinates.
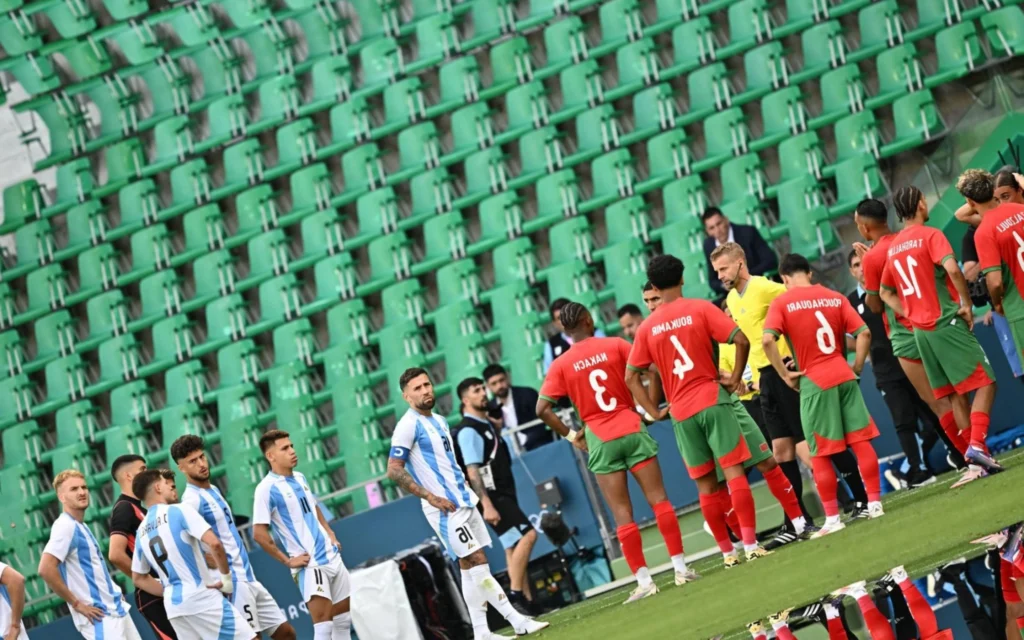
(799, 525)
(342, 627)
(872, 504)
(323, 630)
(494, 594)
(477, 605)
(734, 554)
(831, 521)
(750, 547)
(679, 563)
(857, 593)
(780, 625)
(643, 577)
(737, 548)
(831, 611)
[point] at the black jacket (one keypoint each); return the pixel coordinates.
(524, 401)
(884, 363)
(761, 257)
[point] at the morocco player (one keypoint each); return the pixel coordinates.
(591, 374)
(814, 320)
(679, 338)
(923, 282)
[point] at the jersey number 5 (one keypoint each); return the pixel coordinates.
(683, 363)
(826, 338)
(597, 376)
(909, 277)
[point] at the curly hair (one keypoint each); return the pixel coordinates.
(977, 185)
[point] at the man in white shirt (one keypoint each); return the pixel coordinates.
(73, 567)
(12, 603)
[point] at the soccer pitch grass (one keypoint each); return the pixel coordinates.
(922, 529)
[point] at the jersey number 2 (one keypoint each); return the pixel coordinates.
(909, 277)
(597, 376)
(826, 338)
(683, 363)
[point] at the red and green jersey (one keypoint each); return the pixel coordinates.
(592, 374)
(873, 264)
(815, 321)
(681, 339)
(1000, 244)
(913, 269)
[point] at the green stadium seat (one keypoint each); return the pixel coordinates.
(750, 23)
(23, 201)
(19, 34)
(766, 70)
(783, 113)
(802, 212)
(54, 337)
(132, 403)
(842, 93)
(917, 121)
(500, 218)
(725, 135)
(959, 53)
(571, 240)
(742, 177)
(627, 219)
(668, 157)
(1004, 29)
(22, 443)
(614, 176)
(684, 200)
(709, 90)
(881, 27)
(856, 179)
(625, 267)
(824, 48)
(457, 282)
(13, 354)
(857, 134)
(899, 73)
(801, 155)
(933, 15)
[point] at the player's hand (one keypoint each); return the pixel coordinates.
(580, 443)
(987, 318)
(334, 541)
(227, 587)
(730, 383)
(792, 378)
(215, 586)
(298, 561)
(491, 515)
(967, 313)
(441, 503)
(92, 614)
(860, 248)
(13, 632)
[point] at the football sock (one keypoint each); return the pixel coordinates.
(1020, 627)
(782, 631)
(979, 430)
(827, 483)
(476, 604)
(323, 630)
(836, 631)
(728, 512)
(922, 613)
(743, 503)
(759, 636)
(493, 593)
(850, 473)
(668, 525)
(948, 423)
(878, 625)
(711, 507)
(867, 462)
(782, 489)
(342, 627)
(796, 480)
(632, 546)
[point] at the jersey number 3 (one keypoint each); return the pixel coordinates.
(597, 376)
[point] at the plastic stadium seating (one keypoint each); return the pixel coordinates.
(265, 210)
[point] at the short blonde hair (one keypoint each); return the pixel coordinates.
(977, 185)
(730, 249)
(66, 475)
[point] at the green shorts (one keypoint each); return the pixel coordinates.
(953, 359)
(620, 454)
(834, 418)
(756, 444)
(1017, 331)
(710, 436)
(904, 345)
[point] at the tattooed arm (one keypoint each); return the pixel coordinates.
(398, 474)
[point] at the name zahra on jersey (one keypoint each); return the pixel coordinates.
(675, 323)
(817, 303)
(586, 363)
(1012, 221)
(905, 246)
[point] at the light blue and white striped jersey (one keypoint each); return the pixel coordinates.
(211, 506)
(5, 607)
(425, 444)
(289, 506)
(168, 541)
(83, 568)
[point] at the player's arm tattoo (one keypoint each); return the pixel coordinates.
(398, 474)
(477, 482)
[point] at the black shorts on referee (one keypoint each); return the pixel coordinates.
(513, 524)
(780, 407)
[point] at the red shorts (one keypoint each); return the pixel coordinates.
(1008, 574)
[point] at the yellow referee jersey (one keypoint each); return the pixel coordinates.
(749, 309)
(727, 362)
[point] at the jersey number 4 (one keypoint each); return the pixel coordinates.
(683, 363)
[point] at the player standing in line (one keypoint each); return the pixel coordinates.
(312, 551)
(873, 224)
(815, 322)
(422, 438)
(125, 519)
(878, 625)
(592, 376)
(680, 338)
(73, 568)
(249, 596)
(167, 542)
(923, 282)
(12, 603)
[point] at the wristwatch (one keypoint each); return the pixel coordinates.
(573, 434)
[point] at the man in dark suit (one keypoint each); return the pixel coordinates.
(515, 406)
(761, 257)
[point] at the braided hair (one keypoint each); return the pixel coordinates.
(572, 315)
(905, 202)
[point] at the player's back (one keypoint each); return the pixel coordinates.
(432, 461)
(288, 504)
(914, 270)
(169, 542)
(873, 264)
(210, 504)
(815, 321)
(1000, 237)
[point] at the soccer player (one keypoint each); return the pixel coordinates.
(748, 300)
(423, 440)
(592, 377)
(630, 319)
(248, 596)
(167, 542)
(873, 224)
(923, 282)
(283, 499)
(125, 519)
(72, 567)
(679, 338)
(12, 603)
(815, 322)
(651, 297)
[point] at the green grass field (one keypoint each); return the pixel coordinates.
(922, 529)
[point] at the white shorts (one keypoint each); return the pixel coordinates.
(109, 628)
(328, 581)
(257, 606)
(462, 532)
(221, 622)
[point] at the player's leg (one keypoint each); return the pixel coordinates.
(780, 624)
(927, 625)
(700, 464)
(341, 590)
(723, 436)
(834, 623)
(517, 537)
(480, 588)
(821, 417)
(942, 407)
(648, 475)
(156, 616)
(615, 490)
(128, 630)
(859, 429)
(782, 441)
(900, 401)
(878, 625)
(261, 611)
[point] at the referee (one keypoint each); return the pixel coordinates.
(124, 523)
(485, 460)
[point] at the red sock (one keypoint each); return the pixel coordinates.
(979, 430)
(668, 525)
(878, 625)
(761, 636)
(780, 487)
(731, 520)
(867, 462)
(927, 625)
(836, 631)
(784, 634)
(1020, 626)
(711, 507)
(948, 422)
(632, 546)
(743, 503)
(828, 484)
